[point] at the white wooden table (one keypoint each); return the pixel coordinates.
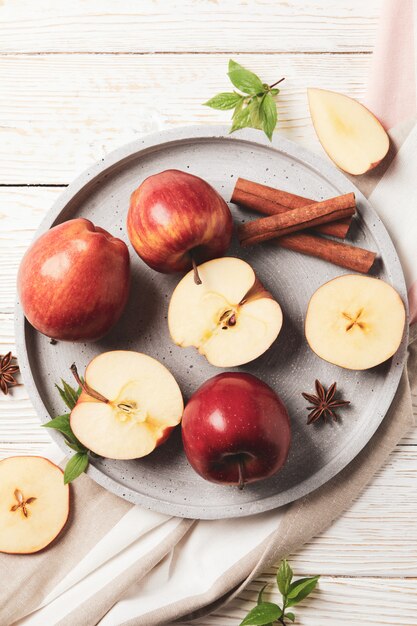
(80, 78)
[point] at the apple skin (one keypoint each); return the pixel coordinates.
(174, 213)
(235, 416)
(73, 281)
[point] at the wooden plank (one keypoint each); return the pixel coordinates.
(169, 25)
(60, 113)
(334, 602)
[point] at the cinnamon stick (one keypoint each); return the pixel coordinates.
(336, 252)
(270, 201)
(294, 220)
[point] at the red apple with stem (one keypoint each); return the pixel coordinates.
(176, 220)
(74, 280)
(236, 430)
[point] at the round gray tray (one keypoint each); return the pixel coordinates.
(164, 481)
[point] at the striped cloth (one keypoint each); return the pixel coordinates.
(119, 564)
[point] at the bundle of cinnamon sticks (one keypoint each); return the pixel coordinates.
(290, 218)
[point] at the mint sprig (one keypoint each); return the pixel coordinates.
(78, 463)
(255, 107)
(269, 613)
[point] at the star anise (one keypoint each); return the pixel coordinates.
(323, 404)
(7, 371)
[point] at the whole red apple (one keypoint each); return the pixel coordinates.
(73, 281)
(175, 217)
(235, 430)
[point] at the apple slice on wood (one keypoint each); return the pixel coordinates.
(351, 135)
(128, 406)
(34, 504)
(230, 317)
(356, 322)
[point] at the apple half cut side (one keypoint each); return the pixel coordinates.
(230, 318)
(356, 322)
(350, 134)
(34, 504)
(128, 406)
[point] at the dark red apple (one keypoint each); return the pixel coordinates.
(73, 281)
(175, 217)
(236, 430)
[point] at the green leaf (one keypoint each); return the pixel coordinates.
(260, 594)
(274, 91)
(284, 577)
(241, 119)
(290, 616)
(269, 116)
(262, 614)
(61, 423)
(243, 79)
(75, 466)
(76, 446)
(255, 113)
(224, 101)
(68, 394)
(300, 589)
(71, 393)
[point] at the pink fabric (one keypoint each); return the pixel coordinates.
(392, 86)
(392, 90)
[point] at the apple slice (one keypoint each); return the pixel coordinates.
(351, 135)
(34, 504)
(230, 317)
(129, 404)
(355, 322)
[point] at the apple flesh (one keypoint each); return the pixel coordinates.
(236, 430)
(356, 322)
(73, 282)
(230, 318)
(34, 504)
(128, 406)
(175, 217)
(351, 135)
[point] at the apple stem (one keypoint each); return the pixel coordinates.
(85, 387)
(197, 278)
(241, 482)
(277, 83)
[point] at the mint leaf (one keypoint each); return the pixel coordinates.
(71, 393)
(300, 589)
(224, 101)
(61, 423)
(260, 594)
(76, 446)
(269, 115)
(274, 92)
(284, 577)
(68, 394)
(255, 113)
(67, 400)
(241, 119)
(75, 466)
(262, 614)
(290, 616)
(243, 79)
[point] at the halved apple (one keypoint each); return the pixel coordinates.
(34, 503)
(351, 135)
(355, 322)
(230, 317)
(128, 406)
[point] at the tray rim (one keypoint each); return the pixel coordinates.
(190, 134)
